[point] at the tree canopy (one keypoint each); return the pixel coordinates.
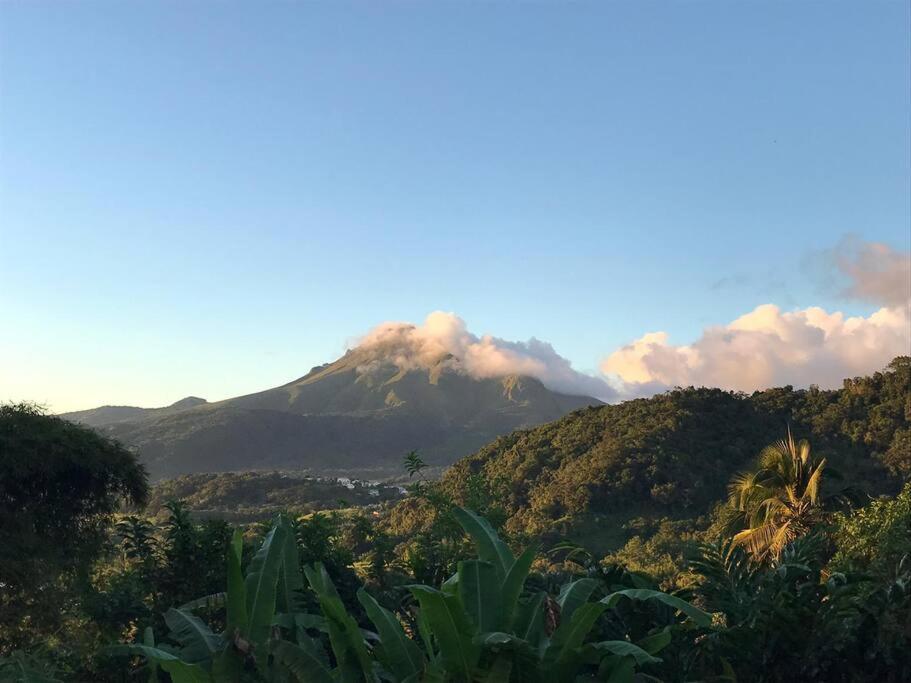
(59, 485)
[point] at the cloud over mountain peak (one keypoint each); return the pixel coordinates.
(443, 334)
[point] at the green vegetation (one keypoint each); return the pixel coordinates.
(59, 485)
(707, 554)
(476, 626)
(244, 497)
(671, 457)
(780, 501)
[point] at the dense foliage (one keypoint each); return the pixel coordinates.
(673, 456)
(59, 485)
(481, 624)
(715, 549)
(807, 615)
(243, 497)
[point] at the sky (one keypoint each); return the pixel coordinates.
(209, 198)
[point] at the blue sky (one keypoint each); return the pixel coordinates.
(210, 198)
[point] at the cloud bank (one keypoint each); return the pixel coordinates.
(444, 334)
(763, 348)
(768, 347)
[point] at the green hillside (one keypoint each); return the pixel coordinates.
(242, 497)
(599, 474)
(671, 580)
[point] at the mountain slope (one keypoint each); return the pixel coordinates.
(587, 476)
(357, 416)
(110, 415)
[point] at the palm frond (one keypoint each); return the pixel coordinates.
(811, 490)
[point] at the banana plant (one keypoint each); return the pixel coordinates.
(479, 626)
(256, 603)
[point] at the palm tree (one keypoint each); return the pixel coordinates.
(779, 502)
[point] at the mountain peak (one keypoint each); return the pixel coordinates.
(188, 402)
(357, 414)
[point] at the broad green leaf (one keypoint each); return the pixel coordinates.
(574, 594)
(656, 642)
(16, 668)
(427, 638)
(697, 615)
(622, 670)
(26, 675)
(261, 584)
(236, 609)
(513, 584)
(522, 655)
(228, 666)
(451, 629)
(148, 639)
(301, 664)
(298, 624)
(490, 547)
(561, 659)
(209, 601)
(400, 655)
(529, 620)
(451, 585)
(290, 582)
(180, 671)
(499, 671)
(433, 674)
(497, 641)
(198, 644)
(302, 620)
(480, 593)
(623, 648)
(354, 663)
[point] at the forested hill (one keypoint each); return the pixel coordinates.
(673, 455)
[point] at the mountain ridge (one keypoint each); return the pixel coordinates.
(357, 415)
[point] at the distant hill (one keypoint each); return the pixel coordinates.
(356, 416)
(595, 475)
(106, 416)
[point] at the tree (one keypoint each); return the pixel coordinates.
(874, 538)
(780, 501)
(137, 541)
(59, 485)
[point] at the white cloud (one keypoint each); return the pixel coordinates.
(768, 347)
(764, 348)
(442, 334)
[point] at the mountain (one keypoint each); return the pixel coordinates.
(357, 416)
(106, 416)
(597, 475)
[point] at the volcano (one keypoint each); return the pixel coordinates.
(355, 417)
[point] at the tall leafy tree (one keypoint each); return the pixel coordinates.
(59, 485)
